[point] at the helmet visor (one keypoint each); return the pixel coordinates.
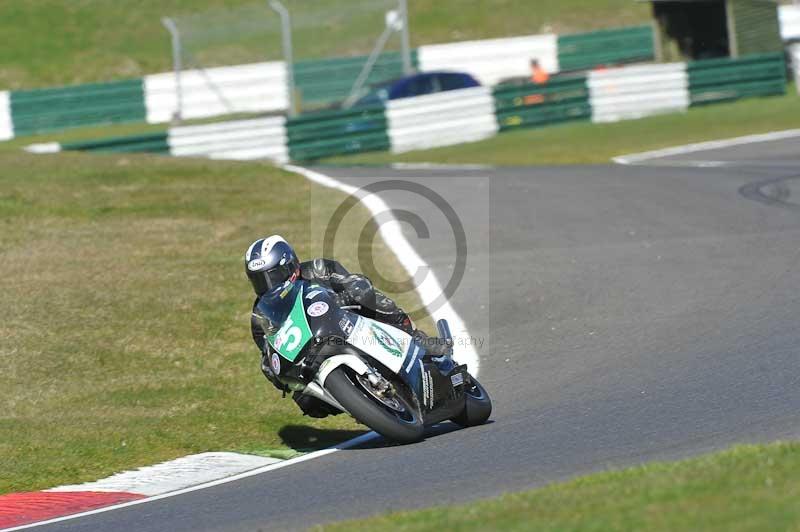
(266, 280)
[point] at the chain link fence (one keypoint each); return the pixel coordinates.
(334, 46)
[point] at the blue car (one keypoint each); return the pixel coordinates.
(416, 85)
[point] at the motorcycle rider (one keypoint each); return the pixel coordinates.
(270, 262)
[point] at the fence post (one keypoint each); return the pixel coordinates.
(286, 35)
(172, 28)
(405, 40)
(367, 68)
(794, 52)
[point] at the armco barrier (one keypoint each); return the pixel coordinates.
(328, 133)
(150, 142)
(442, 119)
(256, 87)
(326, 81)
(717, 80)
(262, 138)
(43, 110)
(624, 45)
(465, 115)
(492, 60)
(529, 105)
(790, 22)
(6, 124)
(638, 91)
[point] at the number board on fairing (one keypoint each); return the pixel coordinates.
(294, 334)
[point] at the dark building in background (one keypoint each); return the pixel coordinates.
(703, 29)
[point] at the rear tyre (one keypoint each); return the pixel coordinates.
(401, 423)
(477, 408)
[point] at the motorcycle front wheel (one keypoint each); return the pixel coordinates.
(393, 418)
(478, 405)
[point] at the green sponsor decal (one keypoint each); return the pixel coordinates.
(294, 334)
(386, 340)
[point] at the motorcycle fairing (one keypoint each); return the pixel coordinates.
(389, 346)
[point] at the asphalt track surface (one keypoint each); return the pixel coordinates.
(636, 313)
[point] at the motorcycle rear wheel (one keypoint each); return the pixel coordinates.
(477, 408)
(402, 426)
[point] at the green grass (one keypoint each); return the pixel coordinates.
(746, 488)
(586, 143)
(124, 312)
(52, 42)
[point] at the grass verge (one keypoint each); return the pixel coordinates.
(745, 488)
(586, 143)
(124, 312)
(51, 42)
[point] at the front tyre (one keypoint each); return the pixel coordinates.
(478, 405)
(395, 419)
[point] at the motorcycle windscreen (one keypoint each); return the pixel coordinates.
(273, 307)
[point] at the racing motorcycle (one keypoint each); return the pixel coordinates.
(375, 372)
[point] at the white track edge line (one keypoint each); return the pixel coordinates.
(634, 158)
(406, 254)
(271, 467)
(439, 166)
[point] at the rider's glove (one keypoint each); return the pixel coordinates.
(360, 290)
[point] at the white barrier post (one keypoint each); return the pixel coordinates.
(637, 91)
(789, 16)
(259, 138)
(441, 119)
(249, 88)
(6, 123)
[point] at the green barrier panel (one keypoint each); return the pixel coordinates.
(356, 143)
(544, 115)
(327, 133)
(531, 105)
(326, 81)
(726, 79)
(43, 110)
(586, 50)
(149, 142)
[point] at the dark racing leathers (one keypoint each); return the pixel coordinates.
(352, 290)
